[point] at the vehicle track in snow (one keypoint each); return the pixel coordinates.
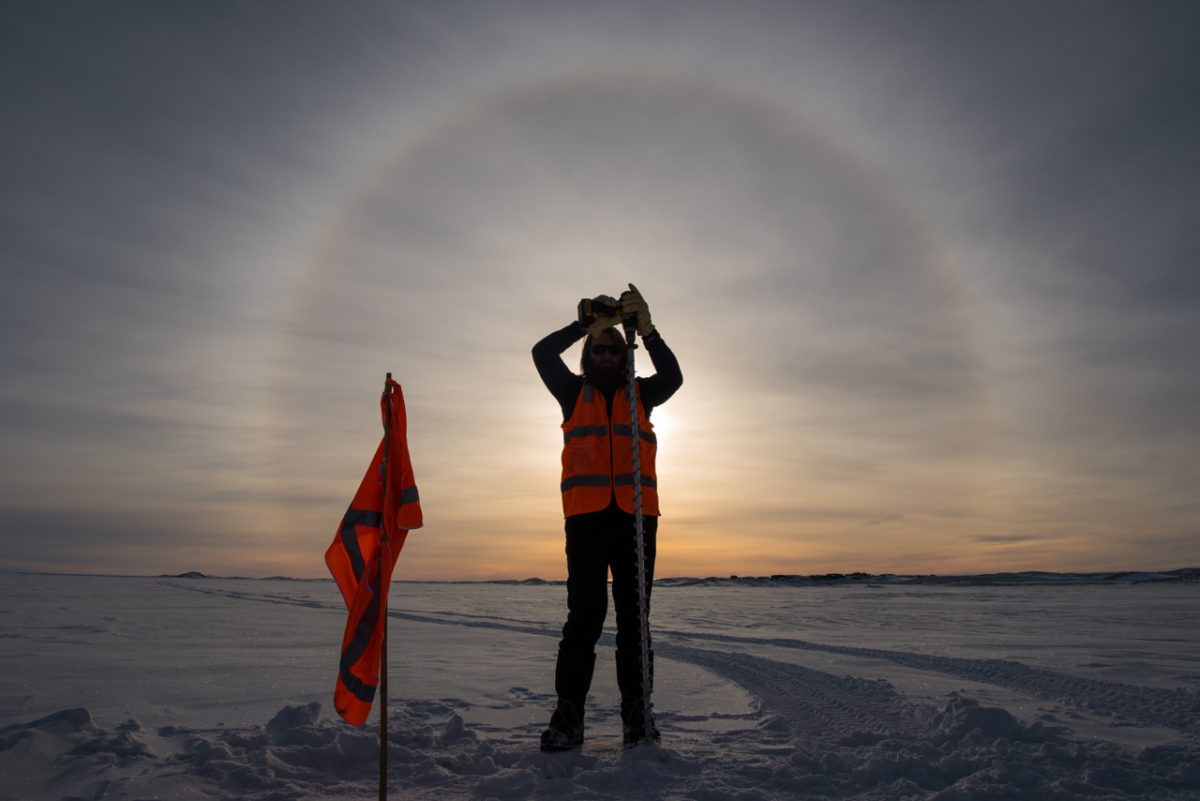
(1151, 706)
(820, 706)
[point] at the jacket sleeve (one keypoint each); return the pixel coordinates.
(667, 378)
(558, 378)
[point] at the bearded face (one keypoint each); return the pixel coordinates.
(605, 360)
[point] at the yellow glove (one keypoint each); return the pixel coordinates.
(598, 324)
(632, 302)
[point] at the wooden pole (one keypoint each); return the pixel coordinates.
(383, 713)
(383, 682)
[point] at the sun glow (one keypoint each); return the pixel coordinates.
(661, 419)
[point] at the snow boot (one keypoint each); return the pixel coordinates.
(629, 681)
(634, 727)
(566, 726)
(572, 680)
(573, 674)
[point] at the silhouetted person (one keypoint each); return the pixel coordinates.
(597, 496)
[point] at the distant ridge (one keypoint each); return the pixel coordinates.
(1028, 578)
(1022, 579)
(196, 574)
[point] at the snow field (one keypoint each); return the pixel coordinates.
(209, 688)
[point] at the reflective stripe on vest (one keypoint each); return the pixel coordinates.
(589, 431)
(626, 480)
(624, 431)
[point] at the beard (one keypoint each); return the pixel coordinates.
(605, 376)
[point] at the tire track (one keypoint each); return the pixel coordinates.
(820, 706)
(1151, 706)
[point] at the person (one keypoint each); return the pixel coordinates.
(598, 507)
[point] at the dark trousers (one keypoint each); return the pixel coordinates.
(597, 543)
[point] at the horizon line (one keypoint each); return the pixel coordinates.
(853, 575)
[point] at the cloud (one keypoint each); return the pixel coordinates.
(1005, 539)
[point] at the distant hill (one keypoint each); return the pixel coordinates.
(1025, 579)
(1029, 578)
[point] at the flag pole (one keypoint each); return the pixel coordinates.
(383, 682)
(383, 692)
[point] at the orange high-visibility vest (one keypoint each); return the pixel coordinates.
(597, 457)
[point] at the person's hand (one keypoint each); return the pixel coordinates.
(598, 324)
(633, 303)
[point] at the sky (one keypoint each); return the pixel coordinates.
(929, 269)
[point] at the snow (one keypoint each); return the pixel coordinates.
(1038, 686)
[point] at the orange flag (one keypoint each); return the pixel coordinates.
(364, 552)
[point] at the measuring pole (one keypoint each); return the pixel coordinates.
(630, 323)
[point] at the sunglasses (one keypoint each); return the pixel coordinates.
(600, 350)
